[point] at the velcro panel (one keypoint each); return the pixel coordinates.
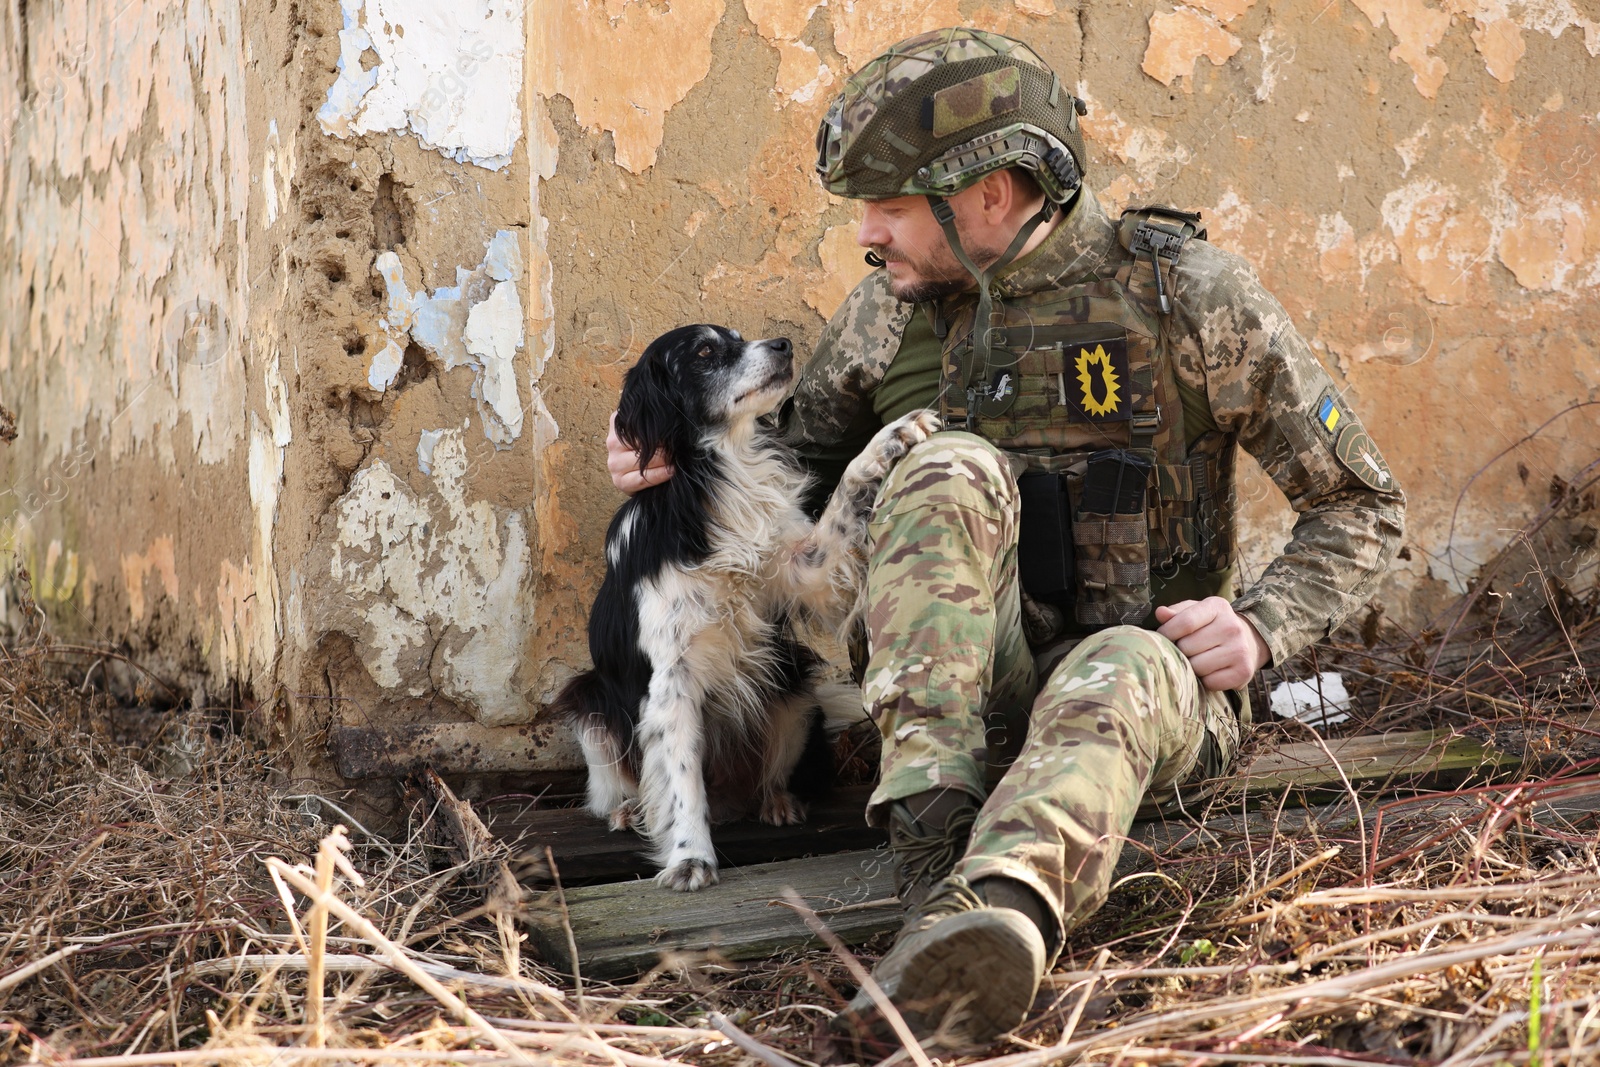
(975, 100)
(1117, 532)
(1111, 572)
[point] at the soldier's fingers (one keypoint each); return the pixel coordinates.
(1189, 616)
(1202, 640)
(1231, 677)
(1218, 658)
(629, 478)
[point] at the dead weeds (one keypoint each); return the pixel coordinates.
(162, 901)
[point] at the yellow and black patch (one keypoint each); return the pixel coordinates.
(1098, 385)
(1362, 458)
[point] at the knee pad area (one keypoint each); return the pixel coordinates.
(952, 468)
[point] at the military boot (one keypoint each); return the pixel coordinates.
(961, 973)
(928, 832)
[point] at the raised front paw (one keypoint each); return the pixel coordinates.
(782, 809)
(688, 875)
(890, 444)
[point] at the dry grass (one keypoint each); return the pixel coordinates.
(161, 902)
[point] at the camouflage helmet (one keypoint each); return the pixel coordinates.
(940, 110)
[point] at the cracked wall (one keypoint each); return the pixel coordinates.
(313, 312)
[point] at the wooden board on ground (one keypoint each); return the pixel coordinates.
(626, 928)
(587, 852)
(1314, 765)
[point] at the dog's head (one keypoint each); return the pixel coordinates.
(700, 379)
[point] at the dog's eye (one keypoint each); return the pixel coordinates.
(705, 350)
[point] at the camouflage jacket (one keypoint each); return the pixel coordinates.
(1234, 345)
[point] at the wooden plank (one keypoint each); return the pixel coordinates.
(1369, 758)
(1432, 757)
(587, 852)
(455, 748)
(626, 928)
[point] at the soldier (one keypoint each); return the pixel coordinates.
(1072, 525)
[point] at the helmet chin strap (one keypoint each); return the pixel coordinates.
(983, 322)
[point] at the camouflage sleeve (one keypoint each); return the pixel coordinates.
(1236, 343)
(829, 417)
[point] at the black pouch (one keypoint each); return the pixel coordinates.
(1115, 483)
(1044, 539)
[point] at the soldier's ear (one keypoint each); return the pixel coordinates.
(998, 193)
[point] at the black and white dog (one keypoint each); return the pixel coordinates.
(703, 703)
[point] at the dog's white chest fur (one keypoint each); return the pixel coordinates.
(734, 598)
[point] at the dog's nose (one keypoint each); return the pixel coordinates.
(780, 345)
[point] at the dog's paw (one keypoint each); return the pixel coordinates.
(688, 875)
(909, 431)
(924, 424)
(891, 443)
(782, 809)
(626, 816)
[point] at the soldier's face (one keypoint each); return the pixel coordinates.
(910, 241)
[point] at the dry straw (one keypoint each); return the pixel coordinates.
(166, 910)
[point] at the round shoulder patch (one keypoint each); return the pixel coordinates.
(1362, 458)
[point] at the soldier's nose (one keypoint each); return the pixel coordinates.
(872, 233)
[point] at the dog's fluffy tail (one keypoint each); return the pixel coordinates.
(841, 707)
(606, 737)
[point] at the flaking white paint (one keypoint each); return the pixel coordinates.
(441, 71)
(430, 588)
(475, 323)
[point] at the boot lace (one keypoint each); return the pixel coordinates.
(926, 854)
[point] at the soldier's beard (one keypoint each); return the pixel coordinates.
(936, 273)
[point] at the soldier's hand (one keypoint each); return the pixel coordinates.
(623, 463)
(1222, 645)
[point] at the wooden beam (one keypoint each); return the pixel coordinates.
(455, 748)
(626, 928)
(587, 852)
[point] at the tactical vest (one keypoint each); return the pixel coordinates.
(1083, 371)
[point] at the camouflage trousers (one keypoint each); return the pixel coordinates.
(1060, 769)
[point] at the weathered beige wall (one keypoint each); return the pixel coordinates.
(312, 314)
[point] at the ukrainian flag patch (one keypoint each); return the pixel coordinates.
(1328, 413)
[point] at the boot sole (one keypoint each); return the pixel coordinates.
(982, 972)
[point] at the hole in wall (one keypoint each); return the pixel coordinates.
(355, 345)
(414, 366)
(391, 215)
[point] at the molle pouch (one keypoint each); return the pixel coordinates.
(1111, 535)
(1044, 539)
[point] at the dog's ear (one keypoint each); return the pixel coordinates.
(649, 415)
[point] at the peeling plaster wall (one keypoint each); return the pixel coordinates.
(127, 345)
(1414, 179)
(313, 313)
